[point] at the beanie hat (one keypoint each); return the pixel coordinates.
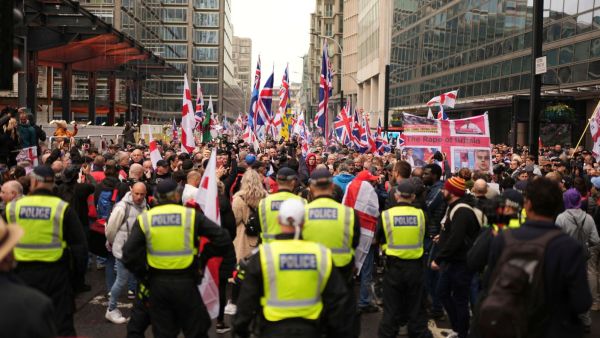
(572, 199)
(456, 186)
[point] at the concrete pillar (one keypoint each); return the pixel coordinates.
(92, 79)
(32, 80)
(67, 83)
(112, 93)
(139, 84)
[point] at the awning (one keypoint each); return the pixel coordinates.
(62, 33)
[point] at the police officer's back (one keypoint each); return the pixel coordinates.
(53, 241)
(268, 208)
(290, 283)
(165, 239)
(401, 231)
(331, 223)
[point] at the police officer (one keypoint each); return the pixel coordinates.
(268, 208)
(53, 242)
(290, 283)
(401, 231)
(331, 223)
(165, 239)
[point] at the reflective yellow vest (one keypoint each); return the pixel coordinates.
(331, 224)
(513, 223)
(169, 231)
(294, 274)
(42, 219)
(404, 228)
(268, 210)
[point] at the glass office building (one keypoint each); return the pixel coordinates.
(483, 49)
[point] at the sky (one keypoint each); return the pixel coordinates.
(279, 30)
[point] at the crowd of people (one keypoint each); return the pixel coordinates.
(291, 239)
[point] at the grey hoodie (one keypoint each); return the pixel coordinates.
(118, 228)
(570, 219)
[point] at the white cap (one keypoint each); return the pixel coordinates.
(291, 212)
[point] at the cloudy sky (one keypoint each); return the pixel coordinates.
(279, 32)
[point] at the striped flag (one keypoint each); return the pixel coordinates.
(199, 114)
(252, 116)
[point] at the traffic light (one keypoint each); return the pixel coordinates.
(11, 15)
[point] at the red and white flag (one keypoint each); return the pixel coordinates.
(361, 196)
(154, 152)
(447, 99)
(207, 198)
(595, 131)
(29, 155)
(188, 121)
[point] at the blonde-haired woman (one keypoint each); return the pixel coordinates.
(251, 192)
(9, 139)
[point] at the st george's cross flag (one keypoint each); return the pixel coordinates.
(188, 121)
(361, 196)
(207, 198)
(446, 99)
(154, 153)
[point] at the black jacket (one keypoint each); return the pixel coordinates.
(77, 194)
(134, 250)
(457, 235)
(24, 312)
(565, 278)
(334, 297)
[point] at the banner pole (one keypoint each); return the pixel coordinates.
(588, 125)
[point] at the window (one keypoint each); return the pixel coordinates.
(206, 19)
(175, 2)
(178, 33)
(206, 54)
(209, 4)
(582, 50)
(207, 37)
(328, 29)
(174, 14)
(329, 9)
(205, 72)
(175, 51)
(565, 55)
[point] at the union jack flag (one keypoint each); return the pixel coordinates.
(252, 117)
(284, 91)
(343, 126)
(174, 130)
(199, 114)
(367, 137)
(441, 115)
(381, 142)
(325, 91)
(400, 141)
(357, 132)
(265, 99)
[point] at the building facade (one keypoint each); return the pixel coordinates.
(242, 65)
(326, 24)
(483, 50)
(195, 36)
(350, 54)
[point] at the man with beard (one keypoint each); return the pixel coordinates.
(459, 230)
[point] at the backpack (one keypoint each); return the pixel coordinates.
(580, 236)
(481, 217)
(106, 201)
(252, 225)
(514, 305)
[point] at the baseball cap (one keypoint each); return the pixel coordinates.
(187, 165)
(366, 175)
(320, 176)
(286, 174)
(596, 182)
(406, 188)
(291, 212)
(45, 173)
(513, 198)
(166, 186)
(250, 159)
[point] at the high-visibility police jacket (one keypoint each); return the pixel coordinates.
(294, 274)
(41, 217)
(513, 223)
(331, 224)
(169, 231)
(404, 228)
(268, 210)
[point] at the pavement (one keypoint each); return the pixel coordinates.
(91, 306)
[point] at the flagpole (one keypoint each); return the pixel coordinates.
(588, 125)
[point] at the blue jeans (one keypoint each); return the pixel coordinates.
(109, 271)
(454, 287)
(432, 277)
(366, 278)
(120, 283)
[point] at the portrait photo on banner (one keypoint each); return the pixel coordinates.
(418, 156)
(477, 159)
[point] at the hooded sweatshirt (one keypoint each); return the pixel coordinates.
(342, 180)
(570, 219)
(120, 222)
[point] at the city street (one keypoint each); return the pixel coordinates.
(90, 322)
